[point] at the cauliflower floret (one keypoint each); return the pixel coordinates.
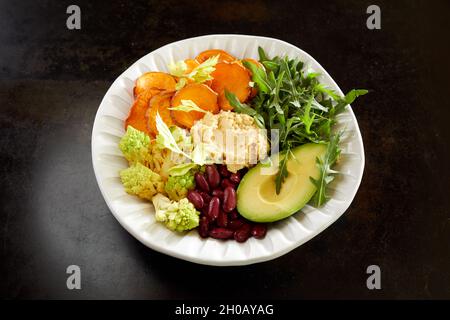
(177, 187)
(163, 159)
(141, 181)
(159, 159)
(176, 215)
(231, 138)
(135, 146)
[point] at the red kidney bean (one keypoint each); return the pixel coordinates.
(235, 224)
(218, 193)
(227, 183)
(224, 171)
(234, 215)
(204, 210)
(206, 197)
(213, 209)
(203, 228)
(201, 182)
(229, 199)
(221, 233)
(259, 230)
(222, 219)
(235, 178)
(196, 199)
(243, 233)
(213, 176)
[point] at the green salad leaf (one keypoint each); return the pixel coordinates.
(199, 74)
(282, 172)
(237, 105)
(187, 106)
(292, 100)
(165, 137)
(326, 173)
(182, 169)
(178, 69)
(202, 72)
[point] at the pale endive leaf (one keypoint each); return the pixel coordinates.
(178, 69)
(166, 138)
(188, 106)
(202, 72)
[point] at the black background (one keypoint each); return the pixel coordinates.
(52, 213)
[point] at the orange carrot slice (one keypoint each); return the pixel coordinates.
(223, 55)
(154, 80)
(136, 117)
(232, 77)
(201, 95)
(160, 103)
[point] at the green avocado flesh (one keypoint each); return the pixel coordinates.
(257, 199)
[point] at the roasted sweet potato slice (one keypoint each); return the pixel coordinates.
(232, 77)
(254, 90)
(223, 55)
(160, 103)
(201, 95)
(154, 81)
(136, 117)
(191, 64)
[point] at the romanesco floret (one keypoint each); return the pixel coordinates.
(177, 187)
(176, 215)
(135, 146)
(141, 181)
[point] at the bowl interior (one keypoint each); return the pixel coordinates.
(137, 216)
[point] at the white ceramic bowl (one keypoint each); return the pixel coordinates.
(137, 216)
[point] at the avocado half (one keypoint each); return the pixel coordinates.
(257, 199)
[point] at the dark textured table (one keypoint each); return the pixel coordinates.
(52, 213)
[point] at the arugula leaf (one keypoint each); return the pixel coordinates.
(313, 75)
(259, 121)
(348, 99)
(355, 93)
(321, 88)
(244, 108)
(306, 117)
(237, 105)
(292, 101)
(282, 172)
(270, 65)
(275, 103)
(259, 77)
(262, 54)
(326, 174)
